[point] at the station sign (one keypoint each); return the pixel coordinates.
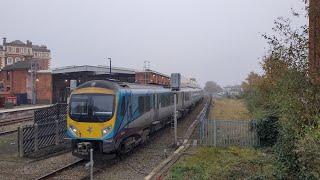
(175, 81)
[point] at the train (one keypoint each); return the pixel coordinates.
(114, 117)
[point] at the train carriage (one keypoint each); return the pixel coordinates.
(113, 117)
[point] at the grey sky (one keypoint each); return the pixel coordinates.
(210, 40)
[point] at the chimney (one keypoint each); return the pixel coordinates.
(4, 41)
(29, 43)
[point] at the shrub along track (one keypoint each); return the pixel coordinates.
(141, 161)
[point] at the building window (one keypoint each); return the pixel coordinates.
(18, 59)
(17, 50)
(9, 60)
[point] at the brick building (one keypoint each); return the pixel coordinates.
(152, 77)
(16, 79)
(16, 51)
(314, 39)
(2, 56)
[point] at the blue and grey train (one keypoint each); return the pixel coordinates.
(113, 117)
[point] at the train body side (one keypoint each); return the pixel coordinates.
(137, 113)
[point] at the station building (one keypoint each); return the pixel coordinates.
(16, 81)
(21, 81)
(66, 78)
(149, 76)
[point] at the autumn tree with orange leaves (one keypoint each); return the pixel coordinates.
(286, 101)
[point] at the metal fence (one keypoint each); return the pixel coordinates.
(224, 133)
(50, 114)
(48, 130)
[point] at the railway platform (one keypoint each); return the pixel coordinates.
(22, 108)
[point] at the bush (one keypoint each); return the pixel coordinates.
(267, 130)
(287, 90)
(287, 159)
(308, 151)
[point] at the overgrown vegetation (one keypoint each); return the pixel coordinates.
(225, 163)
(287, 102)
(230, 109)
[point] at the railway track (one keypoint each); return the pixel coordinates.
(137, 164)
(7, 132)
(53, 173)
(15, 121)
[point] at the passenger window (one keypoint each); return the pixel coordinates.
(148, 103)
(172, 99)
(141, 104)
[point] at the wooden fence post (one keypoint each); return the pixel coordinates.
(57, 132)
(20, 141)
(36, 139)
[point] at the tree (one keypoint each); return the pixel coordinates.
(314, 35)
(212, 87)
(285, 92)
(252, 81)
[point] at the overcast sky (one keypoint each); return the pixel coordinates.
(217, 40)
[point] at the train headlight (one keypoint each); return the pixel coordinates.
(106, 130)
(73, 129)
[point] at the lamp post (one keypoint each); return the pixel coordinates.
(110, 67)
(33, 80)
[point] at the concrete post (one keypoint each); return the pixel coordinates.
(91, 164)
(20, 142)
(57, 132)
(36, 137)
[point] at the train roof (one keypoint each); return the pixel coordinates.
(117, 85)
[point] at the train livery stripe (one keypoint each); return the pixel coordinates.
(93, 90)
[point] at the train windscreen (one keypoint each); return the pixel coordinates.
(91, 107)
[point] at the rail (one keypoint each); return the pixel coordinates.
(165, 165)
(7, 132)
(15, 121)
(52, 173)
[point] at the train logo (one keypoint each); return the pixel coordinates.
(89, 130)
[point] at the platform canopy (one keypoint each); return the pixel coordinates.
(96, 69)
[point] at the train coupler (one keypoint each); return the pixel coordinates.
(83, 148)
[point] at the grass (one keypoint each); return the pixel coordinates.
(230, 109)
(224, 163)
